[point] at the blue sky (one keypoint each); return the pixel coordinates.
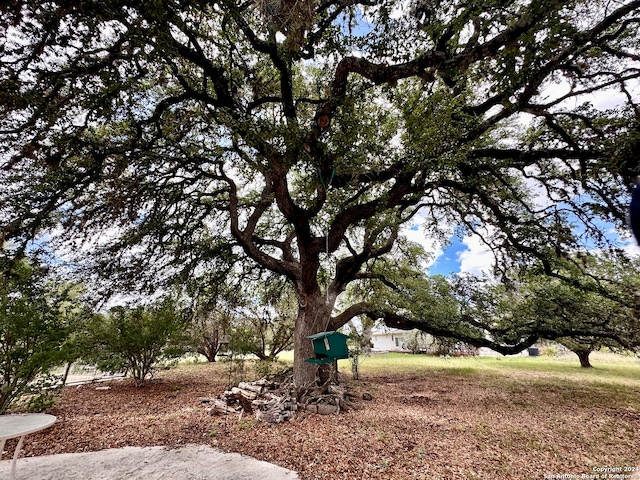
(470, 255)
(449, 261)
(466, 254)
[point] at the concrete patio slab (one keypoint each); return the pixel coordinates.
(191, 462)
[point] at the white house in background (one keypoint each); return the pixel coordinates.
(385, 339)
(389, 340)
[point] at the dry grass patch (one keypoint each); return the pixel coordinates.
(429, 419)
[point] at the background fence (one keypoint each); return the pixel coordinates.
(80, 373)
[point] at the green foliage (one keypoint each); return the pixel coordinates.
(264, 323)
(247, 424)
(42, 394)
(264, 368)
(208, 332)
(256, 320)
(37, 321)
(262, 334)
(215, 301)
(300, 138)
(583, 346)
(590, 304)
(359, 341)
(416, 341)
(137, 339)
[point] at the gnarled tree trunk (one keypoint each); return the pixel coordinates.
(583, 356)
(313, 317)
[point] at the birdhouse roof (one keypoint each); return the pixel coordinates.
(326, 334)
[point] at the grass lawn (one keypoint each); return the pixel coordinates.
(608, 368)
(430, 418)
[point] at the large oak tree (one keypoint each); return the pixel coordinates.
(303, 135)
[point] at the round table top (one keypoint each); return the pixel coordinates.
(12, 426)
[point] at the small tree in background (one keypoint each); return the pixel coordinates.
(418, 342)
(582, 347)
(256, 322)
(37, 319)
(360, 344)
(137, 339)
(209, 330)
(265, 323)
(214, 303)
(594, 304)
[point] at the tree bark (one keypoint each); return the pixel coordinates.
(313, 316)
(355, 367)
(209, 353)
(66, 373)
(583, 356)
(304, 373)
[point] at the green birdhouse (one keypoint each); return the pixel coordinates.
(328, 347)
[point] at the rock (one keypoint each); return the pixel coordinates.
(276, 402)
(251, 395)
(335, 389)
(257, 389)
(367, 396)
(324, 409)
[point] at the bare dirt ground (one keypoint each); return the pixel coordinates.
(435, 425)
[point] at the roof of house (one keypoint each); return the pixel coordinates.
(387, 331)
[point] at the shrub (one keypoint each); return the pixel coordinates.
(137, 339)
(36, 326)
(263, 330)
(452, 347)
(418, 342)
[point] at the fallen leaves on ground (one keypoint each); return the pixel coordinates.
(441, 425)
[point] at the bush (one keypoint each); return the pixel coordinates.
(417, 341)
(137, 339)
(263, 330)
(42, 394)
(445, 346)
(36, 326)
(259, 322)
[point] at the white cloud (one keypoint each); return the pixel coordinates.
(632, 249)
(477, 258)
(433, 247)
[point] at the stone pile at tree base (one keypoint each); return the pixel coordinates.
(277, 402)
